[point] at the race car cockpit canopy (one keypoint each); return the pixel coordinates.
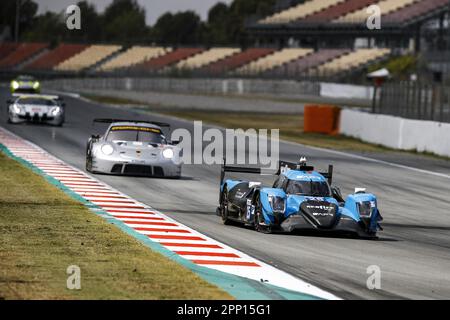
(315, 188)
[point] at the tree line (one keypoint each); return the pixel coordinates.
(123, 21)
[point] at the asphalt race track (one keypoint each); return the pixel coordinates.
(413, 251)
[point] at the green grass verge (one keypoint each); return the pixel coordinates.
(43, 231)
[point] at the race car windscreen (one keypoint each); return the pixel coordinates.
(25, 78)
(308, 188)
(37, 101)
(135, 133)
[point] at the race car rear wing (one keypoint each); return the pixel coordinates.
(282, 165)
(57, 99)
(36, 95)
(224, 168)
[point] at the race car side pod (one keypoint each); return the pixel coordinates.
(281, 164)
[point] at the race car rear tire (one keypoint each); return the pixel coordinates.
(259, 218)
(224, 207)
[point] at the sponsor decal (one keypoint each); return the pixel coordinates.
(135, 128)
(250, 210)
(321, 210)
(321, 207)
(322, 214)
(309, 177)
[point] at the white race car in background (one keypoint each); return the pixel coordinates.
(36, 108)
(25, 84)
(135, 148)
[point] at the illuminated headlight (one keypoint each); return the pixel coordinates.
(365, 208)
(16, 108)
(55, 111)
(277, 204)
(107, 149)
(36, 85)
(167, 153)
(15, 85)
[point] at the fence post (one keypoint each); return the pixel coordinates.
(374, 98)
(442, 99)
(414, 97)
(407, 91)
(433, 101)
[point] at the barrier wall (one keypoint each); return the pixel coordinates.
(397, 133)
(327, 93)
(321, 119)
(285, 88)
(349, 91)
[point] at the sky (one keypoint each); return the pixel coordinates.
(153, 8)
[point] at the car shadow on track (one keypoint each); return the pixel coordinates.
(319, 234)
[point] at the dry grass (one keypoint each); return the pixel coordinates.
(290, 125)
(43, 231)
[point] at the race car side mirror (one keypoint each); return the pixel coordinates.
(63, 104)
(337, 194)
(360, 190)
(9, 101)
(175, 142)
(95, 136)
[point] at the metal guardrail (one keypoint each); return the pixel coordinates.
(414, 100)
(231, 86)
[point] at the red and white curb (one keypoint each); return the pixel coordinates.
(176, 237)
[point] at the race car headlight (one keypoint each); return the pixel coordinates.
(55, 111)
(365, 208)
(168, 153)
(16, 108)
(15, 85)
(107, 149)
(277, 203)
(36, 85)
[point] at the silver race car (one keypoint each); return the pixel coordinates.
(36, 108)
(135, 148)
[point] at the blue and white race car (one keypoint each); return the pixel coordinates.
(300, 199)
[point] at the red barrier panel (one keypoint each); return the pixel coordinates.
(321, 119)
